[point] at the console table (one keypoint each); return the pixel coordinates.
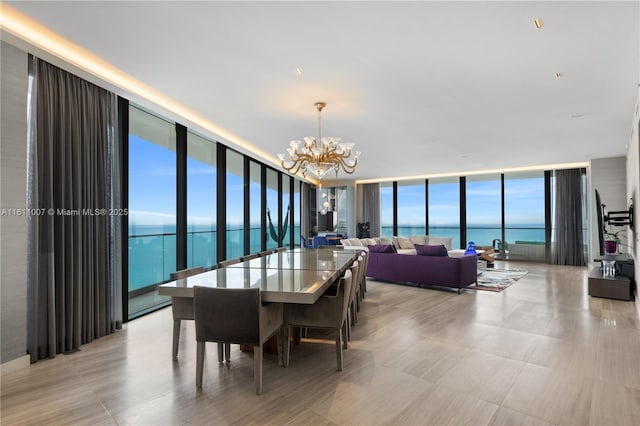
(619, 287)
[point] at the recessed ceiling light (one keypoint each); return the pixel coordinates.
(538, 23)
(558, 75)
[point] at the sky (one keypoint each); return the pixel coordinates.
(152, 195)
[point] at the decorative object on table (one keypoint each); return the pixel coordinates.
(319, 155)
(471, 249)
(363, 230)
(497, 280)
(488, 256)
(608, 268)
(611, 241)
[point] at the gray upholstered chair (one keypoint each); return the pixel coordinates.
(181, 307)
(353, 300)
(226, 315)
(363, 259)
(363, 284)
(329, 312)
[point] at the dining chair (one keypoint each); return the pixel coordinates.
(364, 255)
(181, 307)
(328, 312)
(351, 311)
(237, 316)
(303, 242)
(363, 284)
(318, 241)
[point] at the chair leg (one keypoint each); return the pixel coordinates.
(176, 337)
(257, 368)
(286, 339)
(279, 340)
(227, 352)
(339, 349)
(345, 339)
(220, 353)
(199, 364)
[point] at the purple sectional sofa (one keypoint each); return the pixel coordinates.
(444, 271)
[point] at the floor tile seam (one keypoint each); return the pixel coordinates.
(511, 388)
(405, 403)
(628, 389)
(441, 381)
(465, 392)
(434, 339)
(524, 359)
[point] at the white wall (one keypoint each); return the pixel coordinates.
(633, 183)
(609, 177)
(13, 184)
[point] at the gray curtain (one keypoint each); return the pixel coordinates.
(73, 280)
(371, 207)
(568, 226)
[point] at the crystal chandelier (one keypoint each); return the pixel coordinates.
(320, 155)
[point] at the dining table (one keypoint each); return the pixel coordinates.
(299, 275)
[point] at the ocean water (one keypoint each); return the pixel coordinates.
(481, 235)
(152, 250)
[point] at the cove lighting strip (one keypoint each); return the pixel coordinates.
(32, 32)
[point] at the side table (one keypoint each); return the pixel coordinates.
(616, 287)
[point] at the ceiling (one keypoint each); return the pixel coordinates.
(421, 88)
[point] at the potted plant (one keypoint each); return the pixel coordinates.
(611, 241)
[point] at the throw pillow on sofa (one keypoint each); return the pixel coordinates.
(419, 239)
(382, 248)
(355, 242)
(447, 241)
(431, 250)
(402, 243)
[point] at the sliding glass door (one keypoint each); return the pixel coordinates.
(201, 201)
(152, 208)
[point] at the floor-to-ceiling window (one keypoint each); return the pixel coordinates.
(341, 210)
(411, 208)
(286, 210)
(235, 204)
(484, 209)
(444, 208)
(201, 201)
(255, 207)
(386, 209)
(152, 208)
(296, 210)
(273, 209)
(155, 149)
(525, 213)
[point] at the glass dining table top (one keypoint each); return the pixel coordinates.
(285, 277)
